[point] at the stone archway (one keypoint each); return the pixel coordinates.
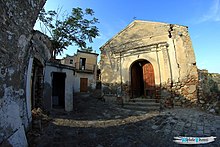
(34, 85)
(142, 79)
(37, 84)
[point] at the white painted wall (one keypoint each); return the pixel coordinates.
(12, 122)
(28, 89)
(69, 83)
(91, 80)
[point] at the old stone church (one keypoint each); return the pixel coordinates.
(152, 60)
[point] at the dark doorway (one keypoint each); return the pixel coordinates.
(36, 84)
(98, 81)
(142, 79)
(82, 64)
(58, 90)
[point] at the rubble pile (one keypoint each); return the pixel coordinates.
(209, 91)
(39, 119)
(182, 93)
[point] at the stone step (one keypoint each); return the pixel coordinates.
(143, 100)
(142, 103)
(141, 108)
(81, 94)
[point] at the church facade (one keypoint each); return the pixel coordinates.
(151, 60)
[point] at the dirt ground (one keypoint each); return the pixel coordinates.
(95, 123)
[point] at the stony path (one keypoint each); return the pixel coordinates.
(99, 124)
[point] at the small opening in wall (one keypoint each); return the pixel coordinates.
(71, 61)
(82, 63)
(180, 34)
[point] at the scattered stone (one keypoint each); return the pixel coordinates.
(187, 125)
(183, 101)
(131, 129)
(39, 119)
(106, 115)
(37, 113)
(154, 127)
(212, 110)
(116, 117)
(177, 98)
(202, 101)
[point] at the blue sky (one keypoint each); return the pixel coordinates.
(201, 16)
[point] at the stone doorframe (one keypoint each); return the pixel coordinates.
(143, 86)
(154, 64)
(28, 85)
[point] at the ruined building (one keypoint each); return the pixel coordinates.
(22, 56)
(152, 60)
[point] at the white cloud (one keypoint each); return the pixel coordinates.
(213, 14)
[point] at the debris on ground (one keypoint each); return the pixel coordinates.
(108, 124)
(39, 121)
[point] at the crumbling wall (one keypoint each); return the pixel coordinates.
(209, 91)
(167, 47)
(182, 89)
(17, 19)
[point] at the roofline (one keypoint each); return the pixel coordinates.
(130, 25)
(87, 52)
(60, 65)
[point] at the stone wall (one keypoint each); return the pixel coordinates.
(209, 91)
(182, 93)
(167, 47)
(17, 19)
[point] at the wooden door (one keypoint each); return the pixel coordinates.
(149, 80)
(83, 84)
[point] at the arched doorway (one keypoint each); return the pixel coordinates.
(142, 79)
(37, 84)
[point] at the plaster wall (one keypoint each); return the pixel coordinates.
(91, 81)
(91, 60)
(17, 19)
(69, 85)
(166, 46)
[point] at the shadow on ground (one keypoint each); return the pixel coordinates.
(97, 123)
